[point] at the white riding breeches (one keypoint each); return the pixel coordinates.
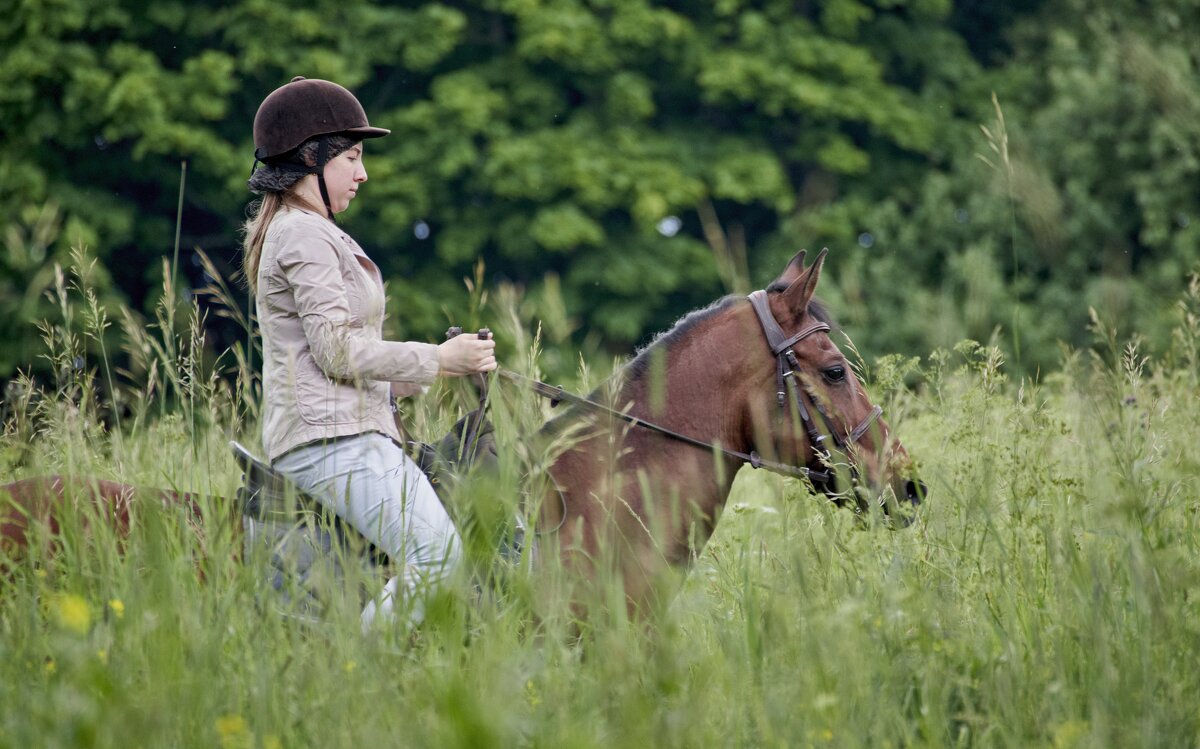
(371, 484)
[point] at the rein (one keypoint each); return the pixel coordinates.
(556, 395)
(787, 367)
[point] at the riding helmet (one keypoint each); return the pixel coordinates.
(307, 108)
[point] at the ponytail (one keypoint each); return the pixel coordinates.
(262, 211)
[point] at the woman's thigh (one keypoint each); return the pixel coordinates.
(372, 485)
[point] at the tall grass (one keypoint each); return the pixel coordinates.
(1048, 595)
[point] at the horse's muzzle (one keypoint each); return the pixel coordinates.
(900, 504)
(915, 491)
(905, 511)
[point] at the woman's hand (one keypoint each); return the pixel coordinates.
(466, 354)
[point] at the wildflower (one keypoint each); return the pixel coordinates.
(349, 666)
(233, 732)
(102, 656)
(272, 742)
(118, 607)
(1071, 733)
(51, 666)
(73, 613)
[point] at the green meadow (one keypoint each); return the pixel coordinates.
(1010, 192)
(1047, 594)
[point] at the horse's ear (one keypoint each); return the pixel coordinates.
(800, 291)
(794, 269)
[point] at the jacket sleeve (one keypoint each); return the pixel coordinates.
(311, 266)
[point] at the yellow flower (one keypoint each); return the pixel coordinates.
(1071, 734)
(349, 666)
(73, 613)
(118, 607)
(272, 742)
(51, 666)
(233, 732)
(102, 655)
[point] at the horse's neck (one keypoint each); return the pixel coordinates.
(641, 479)
(701, 389)
(698, 399)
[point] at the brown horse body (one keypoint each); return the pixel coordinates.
(40, 501)
(38, 507)
(637, 502)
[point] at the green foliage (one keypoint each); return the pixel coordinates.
(1090, 201)
(541, 137)
(571, 138)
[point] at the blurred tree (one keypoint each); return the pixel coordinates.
(572, 137)
(579, 139)
(1093, 202)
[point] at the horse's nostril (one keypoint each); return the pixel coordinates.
(915, 491)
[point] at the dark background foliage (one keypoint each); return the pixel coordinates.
(632, 160)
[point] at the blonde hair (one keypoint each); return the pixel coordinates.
(262, 211)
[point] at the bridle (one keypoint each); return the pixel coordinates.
(788, 382)
(787, 369)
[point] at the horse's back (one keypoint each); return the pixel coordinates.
(42, 501)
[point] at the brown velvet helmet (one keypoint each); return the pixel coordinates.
(307, 108)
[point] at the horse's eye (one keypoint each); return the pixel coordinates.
(835, 374)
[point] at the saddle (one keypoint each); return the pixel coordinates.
(307, 546)
(311, 550)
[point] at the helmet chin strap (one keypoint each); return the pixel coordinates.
(319, 170)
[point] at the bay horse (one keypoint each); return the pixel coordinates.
(41, 507)
(746, 380)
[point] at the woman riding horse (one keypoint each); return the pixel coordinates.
(753, 380)
(329, 378)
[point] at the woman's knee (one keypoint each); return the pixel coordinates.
(437, 544)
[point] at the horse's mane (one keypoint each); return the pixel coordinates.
(640, 364)
(638, 367)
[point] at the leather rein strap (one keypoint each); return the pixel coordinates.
(556, 395)
(787, 365)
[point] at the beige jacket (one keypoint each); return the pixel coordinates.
(327, 372)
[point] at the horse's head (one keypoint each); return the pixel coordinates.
(808, 407)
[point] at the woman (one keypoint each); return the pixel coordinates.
(328, 376)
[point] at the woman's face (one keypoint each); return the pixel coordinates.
(343, 174)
